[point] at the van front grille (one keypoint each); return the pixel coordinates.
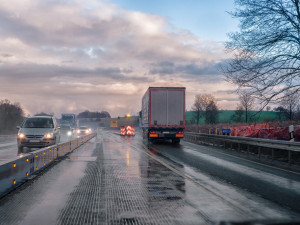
(35, 136)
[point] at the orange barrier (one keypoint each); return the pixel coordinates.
(265, 131)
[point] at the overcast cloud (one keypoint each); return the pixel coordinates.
(69, 56)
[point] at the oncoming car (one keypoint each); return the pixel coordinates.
(66, 130)
(38, 131)
(83, 130)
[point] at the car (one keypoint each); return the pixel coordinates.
(38, 131)
(83, 130)
(66, 130)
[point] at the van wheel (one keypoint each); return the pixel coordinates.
(20, 149)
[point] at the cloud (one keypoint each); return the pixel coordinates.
(93, 54)
(166, 67)
(205, 72)
(35, 72)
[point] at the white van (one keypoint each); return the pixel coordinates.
(38, 131)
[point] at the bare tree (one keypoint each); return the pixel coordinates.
(290, 103)
(212, 112)
(204, 103)
(266, 49)
(238, 114)
(197, 108)
(246, 104)
(11, 115)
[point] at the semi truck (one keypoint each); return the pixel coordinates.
(68, 119)
(163, 113)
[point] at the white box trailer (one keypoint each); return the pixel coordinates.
(163, 113)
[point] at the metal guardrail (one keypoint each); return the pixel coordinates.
(15, 172)
(239, 142)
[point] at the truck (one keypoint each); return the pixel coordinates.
(68, 119)
(163, 113)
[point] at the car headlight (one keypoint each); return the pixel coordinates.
(48, 135)
(87, 131)
(21, 135)
(69, 133)
(78, 131)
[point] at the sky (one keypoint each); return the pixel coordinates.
(67, 56)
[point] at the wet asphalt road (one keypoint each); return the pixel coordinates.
(124, 180)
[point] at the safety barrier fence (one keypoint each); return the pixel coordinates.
(16, 171)
(258, 146)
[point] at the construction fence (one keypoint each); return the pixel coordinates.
(264, 130)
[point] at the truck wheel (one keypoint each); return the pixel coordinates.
(176, 141)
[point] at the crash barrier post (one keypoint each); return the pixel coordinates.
(16, 171)
(254, 144)
(291, 133)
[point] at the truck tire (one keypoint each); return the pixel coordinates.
(175, 141)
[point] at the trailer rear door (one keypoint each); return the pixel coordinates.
(167, 107)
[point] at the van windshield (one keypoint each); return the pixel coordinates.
(38, 123)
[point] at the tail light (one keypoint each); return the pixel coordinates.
(180, 134)
(153, 134)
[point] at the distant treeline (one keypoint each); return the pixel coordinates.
(88, 114)
(11, 115)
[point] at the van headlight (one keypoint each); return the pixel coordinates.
(48, 135)
(69, 133)
(21, 135)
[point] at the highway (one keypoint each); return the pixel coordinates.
(9, 148)
(125, 180)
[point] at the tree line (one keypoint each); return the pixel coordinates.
(11, 115)
(88, 114)
(247, 110)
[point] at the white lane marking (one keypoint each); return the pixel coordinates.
(248, 160)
